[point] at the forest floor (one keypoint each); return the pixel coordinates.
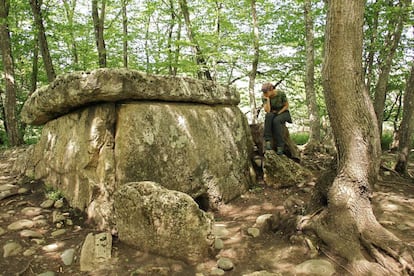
(275, 252)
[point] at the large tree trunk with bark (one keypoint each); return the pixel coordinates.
(407, 127)
(98, 25)
(10, 117)
(345, 221)
(314, 122)
(44, 47)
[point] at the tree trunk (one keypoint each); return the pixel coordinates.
(253, 72)
(391, 44)
(203, 71)
(98, 25)
(10, 118)
(44, 47)
(35, 64)
(125, 33)
(369, 60)
(70, 11)
(173, 54)
(314, 123)
(347, 223)
(407, 127)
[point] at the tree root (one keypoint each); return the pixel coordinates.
(384, 253)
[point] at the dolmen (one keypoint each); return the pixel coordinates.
(123, 145)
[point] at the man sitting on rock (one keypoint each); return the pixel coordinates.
(276, 106)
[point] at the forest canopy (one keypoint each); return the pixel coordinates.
(213, 39)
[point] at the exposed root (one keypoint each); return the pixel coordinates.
(384, 253)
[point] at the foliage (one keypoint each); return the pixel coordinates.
(300, 138)
(157, 42)
(52, 193)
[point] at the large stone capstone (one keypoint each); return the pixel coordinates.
(109, 127)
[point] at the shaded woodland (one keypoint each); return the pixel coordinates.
(346, 66)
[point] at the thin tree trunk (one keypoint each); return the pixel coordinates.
(314, 122)
(347, 223)
(407, 127)
(98, 25)
(10, 116)
(252, 79)
(369, 61)
(125, 32)
(70, 10)
(172, 68)
(44, 47)
(203, 71)
(35, 64)
(391, 44)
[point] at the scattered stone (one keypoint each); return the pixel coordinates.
(58, 216)
(318, 267)
(50, 247)
(96, 250)
(47, 203)
(253, 231)
(30, 234)
(20, 224)
(6, 187)
(67, 256)
(47, 273)
(29, 252)
(218, 244)
(11, 249)
(58, 203)
(2, 231)
(262, 273)
(225, 263)
(22, 191)
(58, 232)
(39, 241)
(31, 211)
(220, 231)
(217, 271)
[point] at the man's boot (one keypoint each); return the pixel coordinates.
(268, 145)
(279, 151)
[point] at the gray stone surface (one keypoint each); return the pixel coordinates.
(113, 126)
(77, 89)
(165, 222)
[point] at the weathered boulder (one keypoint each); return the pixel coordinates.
(279, 171)
(70, 91)
(165, 222)
(201, 146)
(198, 150)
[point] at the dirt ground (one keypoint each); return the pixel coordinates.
(276, 252)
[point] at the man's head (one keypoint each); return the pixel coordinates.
(267, 87)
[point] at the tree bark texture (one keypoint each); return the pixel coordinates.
(10, 116)
(203, 71)
(407, 126)
(36, 6)
(314, 122)
(391, 44)
(255, 62)
(125, 33)
(347, 223)
(98, 25)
